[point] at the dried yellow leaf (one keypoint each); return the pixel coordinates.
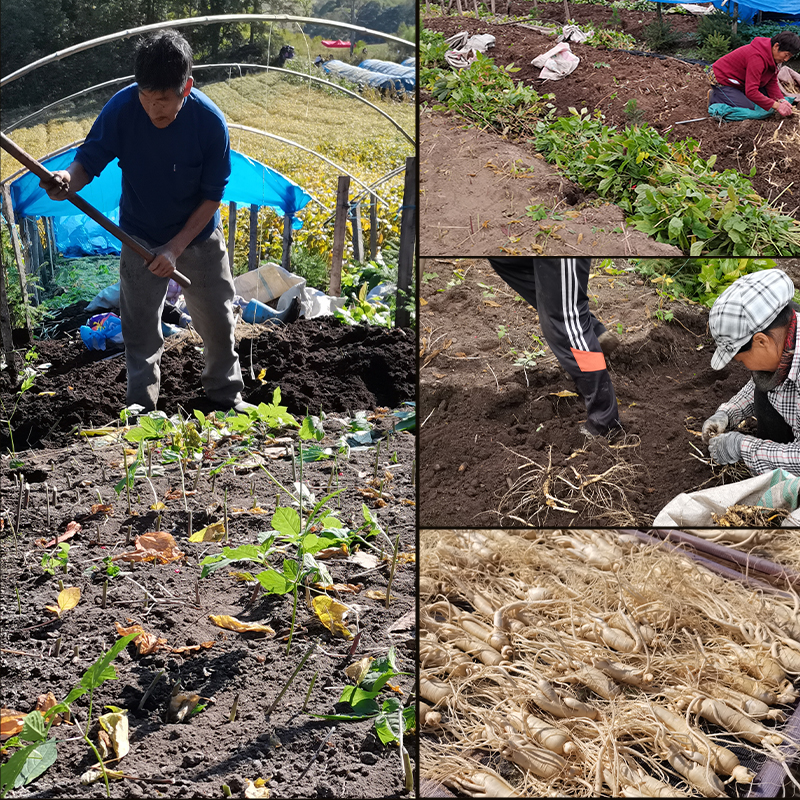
(331, 614)
(115, 725)
(375, 594)
(69, 598)
(564, 393)
(357, 671)
(233, 624)
(94, 775)
(212, 533)
(257, 789)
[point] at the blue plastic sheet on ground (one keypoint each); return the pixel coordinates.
(389, 68)
(251, 183)
(366, 77)
(748, 10)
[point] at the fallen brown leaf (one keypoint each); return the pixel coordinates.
(154, 546)
(10, 723)
(72, 528)
(191, 648)
(233, 624)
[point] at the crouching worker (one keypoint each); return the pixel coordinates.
(754, 322)
(556, 288)
(747, 78)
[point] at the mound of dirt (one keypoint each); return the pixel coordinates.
(491, 425)
(319, 365)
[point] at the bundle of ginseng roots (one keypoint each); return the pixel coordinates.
(586, 664)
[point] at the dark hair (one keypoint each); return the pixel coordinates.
(783, 318)
(163, 62)
(787, 41)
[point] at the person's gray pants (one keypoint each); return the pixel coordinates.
(209, 301)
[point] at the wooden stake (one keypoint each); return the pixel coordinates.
(252, 258)
(358, 233)
(373, 226)
(405, 260)
(8, 211)
(286, 252)
(339, 230)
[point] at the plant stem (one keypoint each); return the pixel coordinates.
(105, 594)
(234, 707)
(127, 479)
(225, 515)
(391, 571)
(377, 456)
(310, 688)
(286, 685)
(183, 485)
(294, 610)
(150, 688)
(189, 523)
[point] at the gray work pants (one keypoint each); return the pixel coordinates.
(209, 302)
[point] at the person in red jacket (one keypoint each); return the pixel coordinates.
(748, 76)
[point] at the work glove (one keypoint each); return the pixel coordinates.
(726, 448)
(784, 108)
(714, 425)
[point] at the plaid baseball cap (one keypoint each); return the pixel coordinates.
(749, 305)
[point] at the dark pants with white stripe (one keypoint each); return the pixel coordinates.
(556, 288)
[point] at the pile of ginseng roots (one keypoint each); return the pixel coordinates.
(586, 664)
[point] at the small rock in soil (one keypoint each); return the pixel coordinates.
(193, 759)
(369, 759)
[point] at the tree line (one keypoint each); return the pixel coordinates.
(32, 29)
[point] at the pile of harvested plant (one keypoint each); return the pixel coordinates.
(588, 664)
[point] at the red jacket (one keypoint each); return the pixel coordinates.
(753, 70)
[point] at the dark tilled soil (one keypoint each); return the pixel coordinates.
(486, 420)
(319, 365)
(666, 90)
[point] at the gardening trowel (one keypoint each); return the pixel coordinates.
(43, 173)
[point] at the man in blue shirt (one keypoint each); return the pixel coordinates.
(174, 152)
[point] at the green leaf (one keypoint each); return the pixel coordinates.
(37, 761)
(33, 727)
(312, 429)
(102, 671)
(387, 723)
(286, 521)
(291, 570)
(273, 582)
(11, 774)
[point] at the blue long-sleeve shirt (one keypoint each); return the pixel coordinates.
(167, 172)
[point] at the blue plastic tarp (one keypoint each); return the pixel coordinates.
(391, 68)
(366, 77)
(747, 10)
(251, 183)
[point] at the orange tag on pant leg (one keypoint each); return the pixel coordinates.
(589, 361)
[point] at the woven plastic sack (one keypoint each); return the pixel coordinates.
(776, 489)
(556, 63)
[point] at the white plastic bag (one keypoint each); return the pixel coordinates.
(556, 63)
(105, 299)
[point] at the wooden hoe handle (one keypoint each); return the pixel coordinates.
(101, 219)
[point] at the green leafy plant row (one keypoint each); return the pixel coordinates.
(669, 190)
